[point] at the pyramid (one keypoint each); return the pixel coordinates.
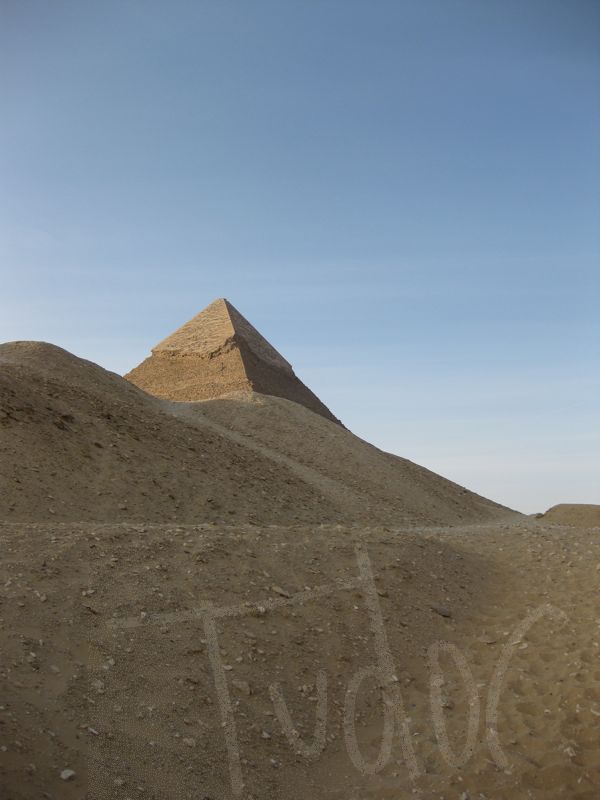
(216, 353)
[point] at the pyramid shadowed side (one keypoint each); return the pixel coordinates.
(216, 353)
(264, 379)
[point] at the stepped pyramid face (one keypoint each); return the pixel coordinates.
(216, 353)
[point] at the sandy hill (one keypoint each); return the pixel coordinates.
(583, 515)
(80, 443)
(355, 475)
(125, 519)
(217, 352)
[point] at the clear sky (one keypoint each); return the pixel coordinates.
(402, 196)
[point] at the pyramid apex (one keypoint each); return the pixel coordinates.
(216, 352)
(219, 303)
(215, 327)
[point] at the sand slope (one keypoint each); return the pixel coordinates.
(582, 515)
(80, 443)
(124, 518)
(359, 477)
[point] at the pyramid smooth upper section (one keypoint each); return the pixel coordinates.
(215, 326)
(218, 353)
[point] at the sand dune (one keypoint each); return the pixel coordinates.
(81, 443)
(369, 483)
(582, 515)
(175, 575)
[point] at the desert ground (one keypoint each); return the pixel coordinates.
(237, 597)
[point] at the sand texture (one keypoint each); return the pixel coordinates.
(224, 598)
(583, 515)
(78, 443)
(107, 667)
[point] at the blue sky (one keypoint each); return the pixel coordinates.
(402, 196)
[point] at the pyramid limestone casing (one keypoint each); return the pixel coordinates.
(216, 353)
